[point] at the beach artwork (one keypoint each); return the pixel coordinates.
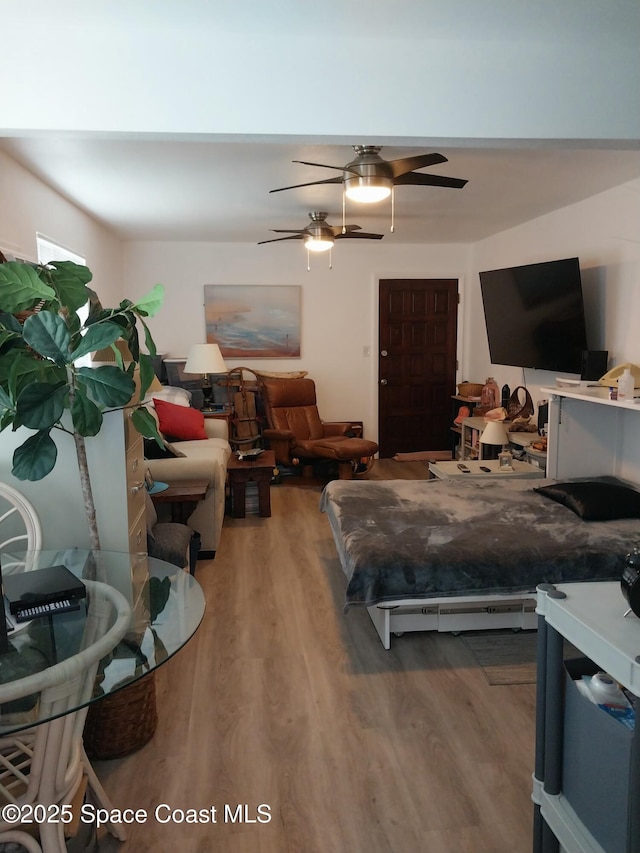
(253, 321)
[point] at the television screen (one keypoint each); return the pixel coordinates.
(535, 315)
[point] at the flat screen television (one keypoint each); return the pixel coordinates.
(535, 315)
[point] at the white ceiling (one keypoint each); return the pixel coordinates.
(166, 188)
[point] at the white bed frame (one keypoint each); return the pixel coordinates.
(455, 614)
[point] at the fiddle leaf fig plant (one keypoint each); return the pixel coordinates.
(50, 319)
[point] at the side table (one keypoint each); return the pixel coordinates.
(183, 495)
(259, 471)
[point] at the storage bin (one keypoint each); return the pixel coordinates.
(600, 769)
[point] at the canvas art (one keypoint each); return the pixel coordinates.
(253, 321)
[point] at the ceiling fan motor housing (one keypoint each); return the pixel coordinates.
(367, 169)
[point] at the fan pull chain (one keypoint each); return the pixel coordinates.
(393, 209)
(344, 212)
(308, 261)
(330, 259)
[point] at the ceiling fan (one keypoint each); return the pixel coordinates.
(368, 178)
(319, 236)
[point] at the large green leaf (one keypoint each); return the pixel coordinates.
(36, 458)
(10, 322)
(151, 346)
(5, 401)
(151, 303)
(97, 337)
(108, 386)
(146, 424)
(48, 335)
(40, 405)
(21, 287)
(69, 280)
(147, 374)
(86, 416)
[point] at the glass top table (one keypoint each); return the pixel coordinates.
(163, 605)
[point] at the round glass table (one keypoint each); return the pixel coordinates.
(129, 615)
(166, 607)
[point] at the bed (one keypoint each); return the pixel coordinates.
(452, 555)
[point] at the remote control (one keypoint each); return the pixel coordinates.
(463, 468)
(484, 468)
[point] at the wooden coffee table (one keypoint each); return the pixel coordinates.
(183, 495)
(259, 471)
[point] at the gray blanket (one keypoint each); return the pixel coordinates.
(402, 539)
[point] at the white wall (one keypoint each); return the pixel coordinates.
(500, 69)
(602, 232)
(339, 305)
(28, 206)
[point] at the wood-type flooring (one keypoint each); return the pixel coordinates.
(290, 709)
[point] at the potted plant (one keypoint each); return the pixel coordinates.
(49, 319)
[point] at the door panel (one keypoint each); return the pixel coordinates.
(416, 363)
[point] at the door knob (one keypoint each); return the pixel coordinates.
(383, 381)
(384, 353)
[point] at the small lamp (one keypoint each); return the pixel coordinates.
(495, 433)
(205, 359)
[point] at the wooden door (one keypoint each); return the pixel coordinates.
(416, 364)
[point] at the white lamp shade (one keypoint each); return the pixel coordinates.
(205, 358)
(495, 432)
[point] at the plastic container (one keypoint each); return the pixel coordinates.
(625, 385)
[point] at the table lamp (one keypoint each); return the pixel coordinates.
(495, 433)
(205, 359)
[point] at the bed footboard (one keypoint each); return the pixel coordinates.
(464, 613)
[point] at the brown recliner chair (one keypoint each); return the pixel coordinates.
(297, 435)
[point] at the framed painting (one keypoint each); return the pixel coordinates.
(253, 321)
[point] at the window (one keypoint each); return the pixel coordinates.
(49, 250)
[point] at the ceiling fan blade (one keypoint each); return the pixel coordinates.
(320, 165)
(361, 235)
(280, 239)
(420, 161)
(287, 230)
(310, 184)
(430, 180)
(337, 229)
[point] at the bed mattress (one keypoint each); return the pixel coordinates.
(419, 539)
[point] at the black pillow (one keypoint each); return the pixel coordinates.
(595, 501)
(153, 451)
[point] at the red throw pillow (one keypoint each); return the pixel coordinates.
(180, 422)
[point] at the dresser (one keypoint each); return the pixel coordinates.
(116, 465)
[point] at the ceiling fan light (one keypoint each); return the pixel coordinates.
(318, 244)
(367, 189)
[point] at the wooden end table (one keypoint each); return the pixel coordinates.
(183, 495)
(259, 471)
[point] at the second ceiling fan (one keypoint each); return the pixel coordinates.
(319, 236)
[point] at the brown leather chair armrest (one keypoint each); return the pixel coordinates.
(336, 427)
(281, 441)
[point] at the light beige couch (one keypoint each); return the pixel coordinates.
(204, 459)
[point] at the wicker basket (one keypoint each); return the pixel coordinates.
(470, 389)
(122, 722)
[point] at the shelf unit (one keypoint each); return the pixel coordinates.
(456, 429)
(589, 435)
(591, 617)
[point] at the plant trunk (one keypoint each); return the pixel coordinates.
(87, 494)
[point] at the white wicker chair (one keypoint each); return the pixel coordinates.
(45, 763)
(20, 528)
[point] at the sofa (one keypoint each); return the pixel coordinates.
(195, 448)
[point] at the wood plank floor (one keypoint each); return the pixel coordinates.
(282, 699)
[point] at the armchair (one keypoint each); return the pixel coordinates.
(296, 433)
